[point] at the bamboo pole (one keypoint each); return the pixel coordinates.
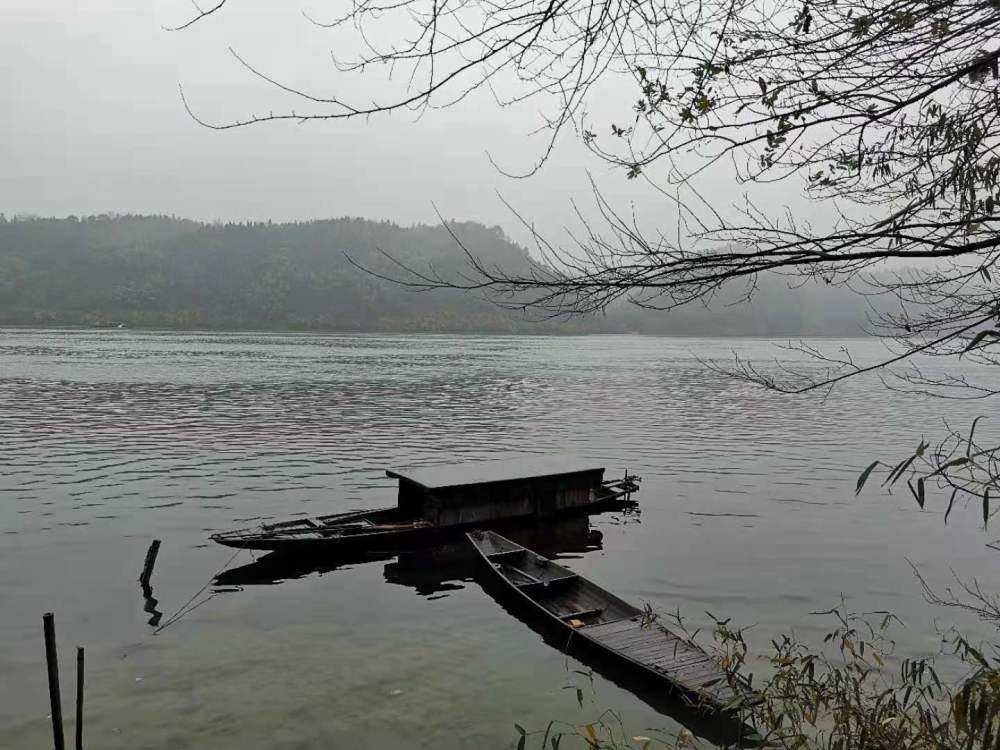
(52, 661)
(79, 698)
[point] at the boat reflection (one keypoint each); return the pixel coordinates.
(432, 571)
(275, 567)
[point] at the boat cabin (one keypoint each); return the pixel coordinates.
(474, 492)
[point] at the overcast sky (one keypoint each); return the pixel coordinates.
(93, 123)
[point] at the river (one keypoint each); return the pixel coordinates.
(113, 438)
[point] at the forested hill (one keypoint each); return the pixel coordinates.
(164, 272)
(158, 271)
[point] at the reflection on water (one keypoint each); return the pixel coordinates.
(150, 604)
(433, 571)
(114, 438)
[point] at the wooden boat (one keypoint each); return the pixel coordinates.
(438, 503)
(599, 621)
(429, 570)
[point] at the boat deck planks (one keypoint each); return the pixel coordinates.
(653, 646)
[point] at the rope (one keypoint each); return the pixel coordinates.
(188, 607)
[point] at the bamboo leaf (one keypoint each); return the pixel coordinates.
(970, 650)
(972, 431)
(950, 503)
(960, 461)
(977, 339)
(900, 469)
(864, 477)
(545, 737)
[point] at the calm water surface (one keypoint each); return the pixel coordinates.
(111, 439)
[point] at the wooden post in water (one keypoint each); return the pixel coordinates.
(147, 568)
(79, 698)
(52, 661)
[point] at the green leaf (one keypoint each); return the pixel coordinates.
(969, 650)
(545, 737)
(978, 338)
(950, 503)
(901, 467)
(862, 26)
(960, 704)
(972, 431)
(960, 461)
(864, 477)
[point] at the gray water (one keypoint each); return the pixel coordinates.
(112, 438)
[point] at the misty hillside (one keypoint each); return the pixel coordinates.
(157, 271)
(166, 272)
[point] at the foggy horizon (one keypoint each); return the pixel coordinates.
(101, 128)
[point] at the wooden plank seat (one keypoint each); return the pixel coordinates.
(523, 573)
(543, 584)
(582, 613)
(505, 553)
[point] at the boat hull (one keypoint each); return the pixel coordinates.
(382, 539)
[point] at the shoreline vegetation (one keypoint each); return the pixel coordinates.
(161, 272)
(853, 691)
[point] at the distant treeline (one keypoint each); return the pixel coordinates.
(159, 271)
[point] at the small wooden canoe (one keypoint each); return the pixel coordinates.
(394, 529)
(609, 624)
